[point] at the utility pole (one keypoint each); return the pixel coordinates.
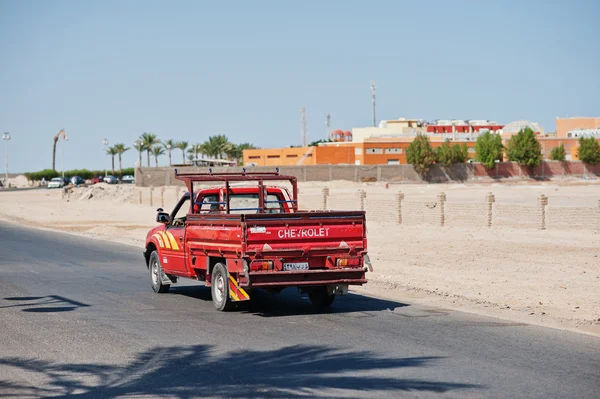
(303, 120)
(373, 100)
(6, 137)
(105, 142)
(327, 125)
(62, 154)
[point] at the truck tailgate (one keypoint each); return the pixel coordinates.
(305, 233)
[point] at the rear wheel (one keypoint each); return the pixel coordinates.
(156, 274)
(320, 297)
(220, 288)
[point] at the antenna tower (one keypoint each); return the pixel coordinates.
(327, 125)
(373, 100)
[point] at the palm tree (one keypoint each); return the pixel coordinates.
(120, 148)
(112, 151)
(236, 152)
(217, 146)
(139, 146)
(169, 145)
(157, 150)
(196, 149)
(149, 140)
(182, 145)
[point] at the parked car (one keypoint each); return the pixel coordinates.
(77, 180)
(128, 179)
(66, 181)
(56, 182)
(98, 179)
(111, 180)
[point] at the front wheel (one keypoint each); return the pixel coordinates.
(156, 274)
(320, 297)
(220, 288)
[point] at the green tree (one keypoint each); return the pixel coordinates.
(489, 149)
(120, 148)
(524, 148)
(316, 143)
(112, 151)
(182, 145)
(448, 154)
(196, 149)
(420, 154)
(149, 140)
(558, 153)
(169, 145)
(589, 150)
(157, 150)
(236, 151)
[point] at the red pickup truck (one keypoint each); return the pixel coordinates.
(235, 238)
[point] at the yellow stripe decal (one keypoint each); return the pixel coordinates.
(159, 239)
(240, 289)
(166, 240)
(233, 295)
(173, 242)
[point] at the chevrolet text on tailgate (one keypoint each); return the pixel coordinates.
(236, 237)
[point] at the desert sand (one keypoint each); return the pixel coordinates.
(548, 277)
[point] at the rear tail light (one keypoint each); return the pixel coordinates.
(343, 262)
(261, 265)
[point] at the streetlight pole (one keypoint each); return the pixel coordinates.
(62, 156)
(169, 150)
(6, 137)
(105, 142)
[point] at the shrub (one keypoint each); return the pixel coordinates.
(489, 149)
(558, 153)
(589, 150)
(449, 154)
(524, 148)
(420, 154)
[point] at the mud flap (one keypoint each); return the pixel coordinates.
(237, 293)
(368, 262)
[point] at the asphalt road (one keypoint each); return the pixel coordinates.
(78, 319)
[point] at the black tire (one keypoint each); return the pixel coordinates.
(155, 274)
(219, 288)
(320, 298)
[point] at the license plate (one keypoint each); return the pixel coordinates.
(295, 266)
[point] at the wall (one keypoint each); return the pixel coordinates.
(564, 125)
(146, 177)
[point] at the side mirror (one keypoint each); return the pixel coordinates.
(162, 217)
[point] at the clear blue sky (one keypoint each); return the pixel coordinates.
(189, 69)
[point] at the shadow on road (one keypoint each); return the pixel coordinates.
(38, 304)
(291, 303)
(197, 371)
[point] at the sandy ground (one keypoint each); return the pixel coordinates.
(549, 277)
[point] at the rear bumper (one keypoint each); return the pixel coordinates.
(306, 278)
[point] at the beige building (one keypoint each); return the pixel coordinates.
(564, 126)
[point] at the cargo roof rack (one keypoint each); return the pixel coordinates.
(190, 177)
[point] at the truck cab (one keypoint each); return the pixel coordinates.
(253, 235)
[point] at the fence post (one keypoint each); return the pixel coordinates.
(362, 194)
(441, 200)
(543, 202)
(399, 198)
(162, 197)
(151, 194)
(325, 192)
(490, 199)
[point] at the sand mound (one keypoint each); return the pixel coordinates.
(117, 193)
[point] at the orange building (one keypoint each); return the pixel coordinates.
(299, 156)
(564, 126)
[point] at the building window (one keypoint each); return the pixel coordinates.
(393, 150)
(254, 157)
(272, 156)
(373, 151)
(393, 162)
(358, 151)
(309, 155)
(292, 156)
